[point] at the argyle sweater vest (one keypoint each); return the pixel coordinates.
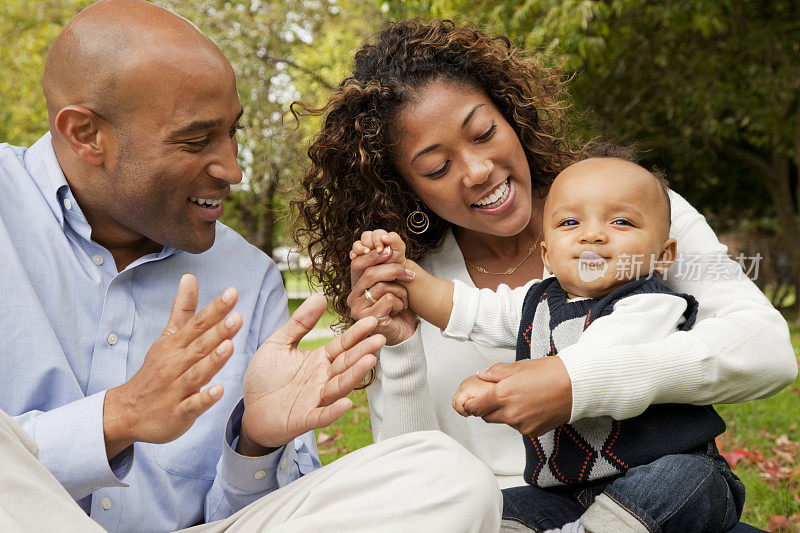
(601, 447)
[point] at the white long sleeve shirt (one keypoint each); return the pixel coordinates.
(738, 350)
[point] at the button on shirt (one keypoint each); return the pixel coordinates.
(72, 327)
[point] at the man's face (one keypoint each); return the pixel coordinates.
(605, 223)
(176, 154)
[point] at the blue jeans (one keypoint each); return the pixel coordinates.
(691, 492)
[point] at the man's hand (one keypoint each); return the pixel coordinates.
(288, 392)
(164, 398)
(533, 396)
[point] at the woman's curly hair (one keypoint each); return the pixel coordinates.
(352, 184)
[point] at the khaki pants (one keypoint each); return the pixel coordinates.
(416, 482)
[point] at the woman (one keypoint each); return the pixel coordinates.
(450, 138)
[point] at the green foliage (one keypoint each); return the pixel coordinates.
(696, 82)
(26, 31)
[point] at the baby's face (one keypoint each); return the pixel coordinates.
(605, 223)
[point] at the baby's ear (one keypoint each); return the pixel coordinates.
(543, 247)
(669, 252)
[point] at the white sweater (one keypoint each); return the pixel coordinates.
(738, 350)
(492, 318)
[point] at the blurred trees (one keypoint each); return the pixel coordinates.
(26, 31)
(709, 88)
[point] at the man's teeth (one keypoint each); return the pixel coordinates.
(205, 202)
(499, 193)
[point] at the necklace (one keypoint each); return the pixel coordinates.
(510, 270)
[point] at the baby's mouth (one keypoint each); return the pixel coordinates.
(591, 266)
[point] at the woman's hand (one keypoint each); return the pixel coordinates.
(533, 396)
(372, 270)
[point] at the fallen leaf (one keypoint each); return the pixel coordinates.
(323, 439)
(735, 456)
(780, 524)
(355, 417)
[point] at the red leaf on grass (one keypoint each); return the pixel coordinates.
(735, 456)
(325, 440)
(780, 524)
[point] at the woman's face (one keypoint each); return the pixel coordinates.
(464, 160)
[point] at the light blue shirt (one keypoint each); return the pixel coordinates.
(72, 327)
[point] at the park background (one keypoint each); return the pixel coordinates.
(709, 90)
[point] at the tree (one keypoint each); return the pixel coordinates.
(26, 31)
(710, 87)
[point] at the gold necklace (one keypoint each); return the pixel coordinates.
(511, 270)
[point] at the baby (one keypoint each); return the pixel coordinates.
(606, 238)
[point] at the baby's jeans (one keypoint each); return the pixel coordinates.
(691, 492)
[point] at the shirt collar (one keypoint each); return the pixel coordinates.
(43, 166)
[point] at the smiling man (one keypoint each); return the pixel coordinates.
(151, 415)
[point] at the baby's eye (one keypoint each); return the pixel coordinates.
(622, 222)
(568, 222)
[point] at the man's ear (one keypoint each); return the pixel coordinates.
(80, 129)
(669, 252)
(543, 247)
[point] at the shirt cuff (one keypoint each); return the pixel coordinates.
(404, 359)
(465, 311)
(72, 446)
(253, 474)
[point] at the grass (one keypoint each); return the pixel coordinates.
(755, 428)
(329, 318)
(765, 433)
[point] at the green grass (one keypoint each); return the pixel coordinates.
(754, 427)
(329, 318)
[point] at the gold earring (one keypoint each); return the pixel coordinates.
(417, 221)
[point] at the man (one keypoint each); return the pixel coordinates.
(101, 219)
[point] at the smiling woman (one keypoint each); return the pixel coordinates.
(462, 134)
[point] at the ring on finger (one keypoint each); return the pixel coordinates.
(368, 295)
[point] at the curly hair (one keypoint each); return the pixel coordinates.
(352, 184)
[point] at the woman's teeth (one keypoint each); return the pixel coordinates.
(205, 202)
(496, 196)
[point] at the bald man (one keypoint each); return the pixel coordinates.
(150, 415)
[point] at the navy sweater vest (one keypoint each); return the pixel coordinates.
(601, 447)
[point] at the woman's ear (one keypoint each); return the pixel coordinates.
(669, 252)
(543, 247)
(80, 129)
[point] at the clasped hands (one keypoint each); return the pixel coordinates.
(533, 396)
(287, 391)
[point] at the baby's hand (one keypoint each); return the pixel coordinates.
(384, 243)
(470, 388)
